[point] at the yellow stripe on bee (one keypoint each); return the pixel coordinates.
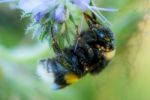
(110, 54)
(71, 78)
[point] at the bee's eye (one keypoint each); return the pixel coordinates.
(101, 35)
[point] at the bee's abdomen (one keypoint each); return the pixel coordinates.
(55, 73)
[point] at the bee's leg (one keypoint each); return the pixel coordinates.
(84, 59)
(91, 20)
(56, 48)
(72, 59)
(99, 66)
(92, 23)
(99, 62)
(88, 19)
(55, 44)
(76, 66)
(81, 55)
(88, 51)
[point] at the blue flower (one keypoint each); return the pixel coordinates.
(2, 1)
(58, 11)
(35, 6)
(85, 5)
(38, 8)
(39, 16)
(60, 14)
(81, 4)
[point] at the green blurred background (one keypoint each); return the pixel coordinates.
(127, 77)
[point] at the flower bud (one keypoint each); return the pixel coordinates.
(39, 16)
(60, 14)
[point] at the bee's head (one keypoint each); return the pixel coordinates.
(102, 39)
(105, 38)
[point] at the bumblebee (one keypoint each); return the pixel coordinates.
(94, 49)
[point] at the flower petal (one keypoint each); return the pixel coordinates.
(39, 16)
(35, 6)
(60, 14)
(2, 1)
(81, 4)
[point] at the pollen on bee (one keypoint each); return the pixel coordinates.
(97, 25)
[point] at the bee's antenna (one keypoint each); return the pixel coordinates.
(55, 45)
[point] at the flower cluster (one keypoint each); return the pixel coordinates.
(57, 14)
(39, 8)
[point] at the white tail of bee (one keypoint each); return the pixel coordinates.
(44, 71)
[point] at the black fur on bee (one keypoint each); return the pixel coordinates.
(95, 46)
(94, 50)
